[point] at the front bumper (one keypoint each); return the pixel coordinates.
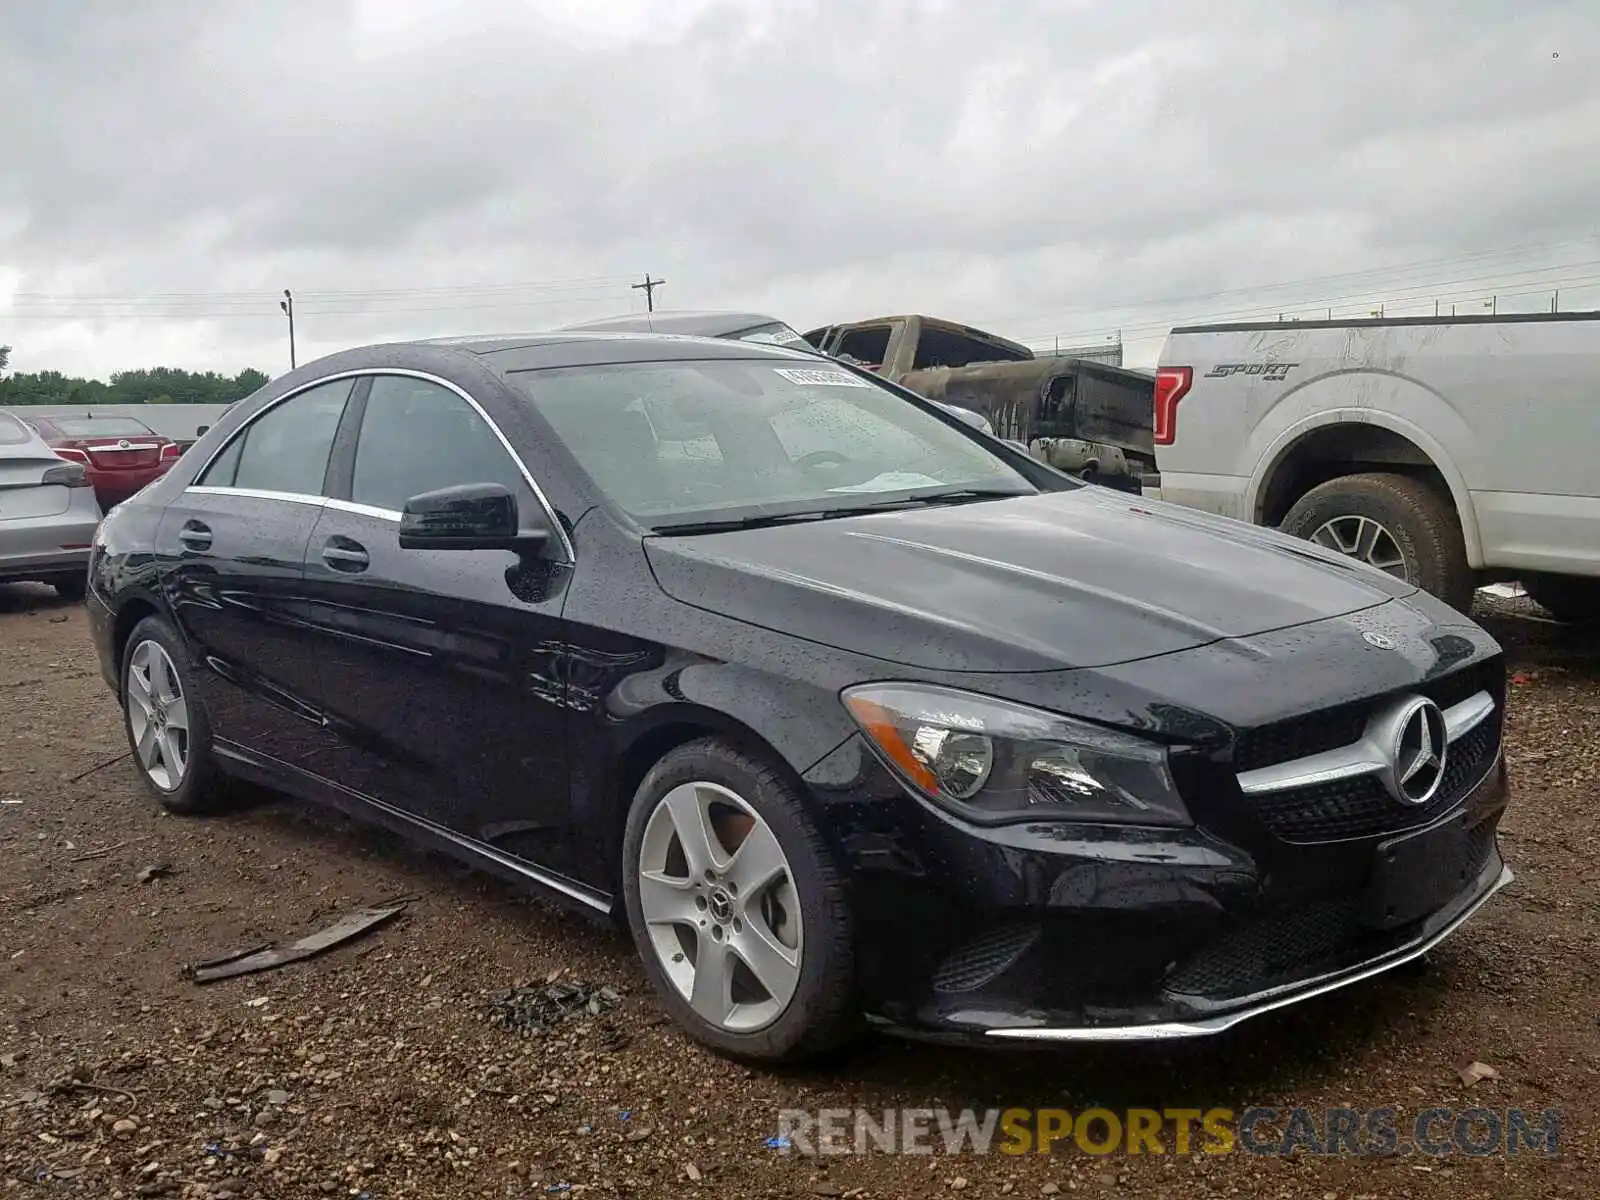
(1062, 933)
(1264, 1002)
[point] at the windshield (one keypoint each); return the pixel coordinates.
(95, 427)
(684, 443)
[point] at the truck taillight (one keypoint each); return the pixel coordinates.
(1172, 384)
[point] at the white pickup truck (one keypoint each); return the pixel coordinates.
(1450, 451)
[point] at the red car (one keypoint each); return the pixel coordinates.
(120, 454)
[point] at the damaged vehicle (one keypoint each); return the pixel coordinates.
(744, 327)
(847, 712)
(1087, 418)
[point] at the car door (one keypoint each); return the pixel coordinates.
(232, 550)
(439, 669)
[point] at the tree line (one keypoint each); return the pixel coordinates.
(151, 385)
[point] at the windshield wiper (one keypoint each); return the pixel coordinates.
(756, 522)
(765, 520)
(956, 496)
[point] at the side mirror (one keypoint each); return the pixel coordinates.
(473, 516)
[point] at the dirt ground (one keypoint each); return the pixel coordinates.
(374, 1070)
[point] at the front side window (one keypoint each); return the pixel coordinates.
(679, 443)
(285, 449)
(417, 437)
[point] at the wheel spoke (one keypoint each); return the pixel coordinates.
(758, 861)
(712, 996)
(775, 966)
(1367, 534)
(691, 819)
(160, 676)
(148, 746)
(178, 715)
(665, 900)
(172, 755)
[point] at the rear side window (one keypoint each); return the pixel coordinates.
(416, 437)
(286, 449)
(13, 432)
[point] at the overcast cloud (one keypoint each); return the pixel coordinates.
(1038, 167)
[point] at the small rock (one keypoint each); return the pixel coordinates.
(958, 1184)
(827, 1189)
(265, 1117)
(271, 1155)
(278, 1097)
(1049, 1189)
(692, 1171)
(125, 1126)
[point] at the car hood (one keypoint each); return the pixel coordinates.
(1084, 578)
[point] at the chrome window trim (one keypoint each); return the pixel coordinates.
(363, 510)
(259, 494)
(367, 509)
(1363, 757)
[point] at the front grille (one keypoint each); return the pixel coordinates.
(1297, 943)
(1297, 737)
(1361, 807)
(1274, 949)
(985, 958)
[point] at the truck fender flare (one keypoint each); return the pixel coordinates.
(1267, 462)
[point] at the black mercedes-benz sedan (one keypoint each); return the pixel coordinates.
(850, 714)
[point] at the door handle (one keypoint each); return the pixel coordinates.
(347, 557)
(195, 536)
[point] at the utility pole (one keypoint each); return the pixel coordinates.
(287, 304)
(648, 287)
(1555, 301)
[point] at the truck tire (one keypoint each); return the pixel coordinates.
(1394, 522)
(1570, 598)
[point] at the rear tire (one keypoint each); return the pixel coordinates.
(1418, 526)
(1571, 598)
(71, 587)
(168, 729)
(783, 933)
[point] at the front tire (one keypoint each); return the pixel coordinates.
(1397, 523)
(166, 723)
(736, 907)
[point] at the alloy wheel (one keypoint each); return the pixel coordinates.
(718, 900)
(158, 716)
(1365, 539)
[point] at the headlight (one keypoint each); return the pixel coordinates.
(990, 760)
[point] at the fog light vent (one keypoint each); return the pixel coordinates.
(985, 958)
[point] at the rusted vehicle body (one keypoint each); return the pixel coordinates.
(1087, 418)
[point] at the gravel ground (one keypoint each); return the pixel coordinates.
(377, 1069)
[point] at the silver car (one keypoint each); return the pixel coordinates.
(48, 513)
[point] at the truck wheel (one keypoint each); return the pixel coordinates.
(1393, 522)
(1565, 597)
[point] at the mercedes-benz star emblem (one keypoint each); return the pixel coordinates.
(1380, 640)
(1419, 745)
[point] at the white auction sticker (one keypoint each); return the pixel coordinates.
(821, 378)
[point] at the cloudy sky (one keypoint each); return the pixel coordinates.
(1043, 168)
